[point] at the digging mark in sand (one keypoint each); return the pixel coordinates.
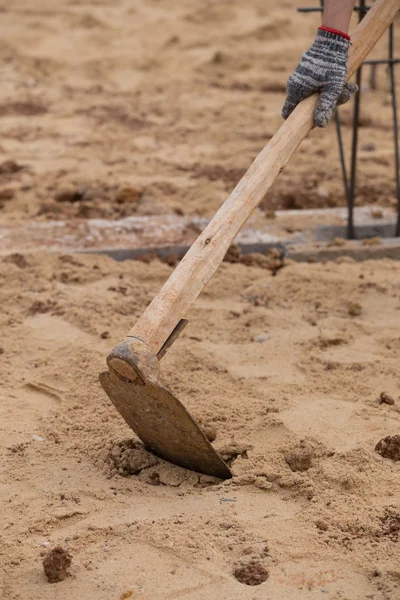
(50, 328)
(129, 457)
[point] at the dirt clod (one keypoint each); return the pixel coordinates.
(70, 195)
(389, 447)
(273, 260)
(263, 484)
(129, 458)
(251, 574)
(17, 259)
(385, 398)
(299, 459)
(7, 194)
(209, 430)
(129, 194)
(321, 525)
(390, 523)
(375, 241)
(56, 564)
(337, 241)
(41, 307)
(9, 167)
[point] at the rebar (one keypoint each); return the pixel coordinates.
(349, 184)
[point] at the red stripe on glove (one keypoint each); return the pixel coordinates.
(347, 37)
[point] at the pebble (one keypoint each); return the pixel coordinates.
(368, 147)
(37, 438)
(385, 398)
(261, 338)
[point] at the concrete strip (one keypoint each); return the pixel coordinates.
(356, 250)
(298, 234)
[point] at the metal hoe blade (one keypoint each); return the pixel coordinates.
(163, 424)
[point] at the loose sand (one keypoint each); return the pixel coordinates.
(296, 413)
(172, 98)
(157, 107)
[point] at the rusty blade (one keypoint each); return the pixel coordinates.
(163, 424)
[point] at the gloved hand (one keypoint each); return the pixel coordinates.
(323, 68)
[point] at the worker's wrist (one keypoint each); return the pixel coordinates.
(334, 31)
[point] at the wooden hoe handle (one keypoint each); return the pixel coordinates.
(197, 267)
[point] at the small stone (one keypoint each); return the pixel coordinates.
(210, 432)
(105, 335)
(37, 438)
(218, 57)
(389, 447)
(1, 350)
(370, 147)
(385, 398)
(208, 429)
(354, 309)
(56, 564)
(261, 338)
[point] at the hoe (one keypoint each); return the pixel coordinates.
(132, 381)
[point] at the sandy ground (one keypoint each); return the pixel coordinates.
(158, 107)
(330, 347)
(112, 109)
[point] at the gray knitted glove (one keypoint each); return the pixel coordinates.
(323, 68)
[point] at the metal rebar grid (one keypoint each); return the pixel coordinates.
(349, 181)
